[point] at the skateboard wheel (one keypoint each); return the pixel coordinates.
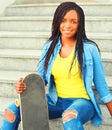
(17, 102)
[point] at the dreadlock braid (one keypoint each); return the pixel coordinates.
(59, 14)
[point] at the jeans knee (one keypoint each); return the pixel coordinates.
(9, 116)
(12, 113)
(69, 115)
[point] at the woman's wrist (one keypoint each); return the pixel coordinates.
(109, 106)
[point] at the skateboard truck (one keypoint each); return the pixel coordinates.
(17, 103)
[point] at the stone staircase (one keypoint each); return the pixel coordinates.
(23, 31)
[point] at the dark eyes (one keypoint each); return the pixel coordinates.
(74, 22)
(71, 21)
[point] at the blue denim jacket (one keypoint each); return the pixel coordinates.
(92, 73)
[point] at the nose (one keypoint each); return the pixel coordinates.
(67, 24)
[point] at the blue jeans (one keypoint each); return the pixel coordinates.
(84, 108)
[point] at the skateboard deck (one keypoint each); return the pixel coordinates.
(33, 105)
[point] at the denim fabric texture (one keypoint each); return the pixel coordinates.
(83, 108)
(92, 73)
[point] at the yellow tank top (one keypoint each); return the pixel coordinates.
(69, 84)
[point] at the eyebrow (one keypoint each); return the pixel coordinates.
(72, 18)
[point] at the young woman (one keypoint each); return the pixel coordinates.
(69, 63)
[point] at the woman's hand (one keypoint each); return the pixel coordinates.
(20, 86)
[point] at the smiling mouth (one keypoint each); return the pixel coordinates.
(67, 31)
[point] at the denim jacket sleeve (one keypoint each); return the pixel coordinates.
(99, 77)
(40, 68)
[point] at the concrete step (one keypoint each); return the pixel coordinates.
(50, 1)
(107, 62)
(36, 40)
(7, 82)
(40, 23)
(23, 40)
(27, 60)
(103, 40)
(45, 9)
(57, 124)
(19, 60)
(9, 78)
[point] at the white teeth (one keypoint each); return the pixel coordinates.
(66, 31)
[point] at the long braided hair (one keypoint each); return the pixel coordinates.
(59, 14)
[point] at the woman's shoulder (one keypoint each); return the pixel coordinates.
(89, 45)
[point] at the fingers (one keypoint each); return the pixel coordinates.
(20, 86)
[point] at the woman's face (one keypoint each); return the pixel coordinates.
(69, 24)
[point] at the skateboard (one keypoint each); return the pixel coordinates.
(33, 105)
